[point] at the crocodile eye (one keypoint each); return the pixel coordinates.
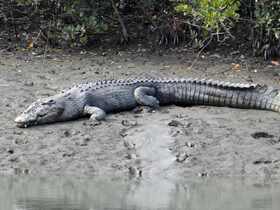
(42, 115)
(50, 102)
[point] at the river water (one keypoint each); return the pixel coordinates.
(68, 193)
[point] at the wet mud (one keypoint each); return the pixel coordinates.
(170, 142)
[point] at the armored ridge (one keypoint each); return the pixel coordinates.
(101, 97)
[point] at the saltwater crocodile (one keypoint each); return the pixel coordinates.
(101, 97)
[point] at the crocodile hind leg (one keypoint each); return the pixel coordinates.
(96, 114)
(146, 96)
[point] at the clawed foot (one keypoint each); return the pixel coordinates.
(150, 109)
(96, 114)
(145, 109)
(94, 121)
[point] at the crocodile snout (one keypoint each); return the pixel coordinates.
(23, 121)
(20, 122)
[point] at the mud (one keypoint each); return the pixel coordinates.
(170, 142)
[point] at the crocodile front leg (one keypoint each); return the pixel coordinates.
(96, 114)
(146, 96)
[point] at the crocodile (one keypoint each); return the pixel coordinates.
(96, 99)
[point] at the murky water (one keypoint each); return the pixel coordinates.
(29, 193)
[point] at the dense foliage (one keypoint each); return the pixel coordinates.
(267, 28)
(213, 17)
(164, 22)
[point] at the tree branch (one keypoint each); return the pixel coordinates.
(124, 31)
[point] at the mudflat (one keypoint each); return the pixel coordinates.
(170, 142)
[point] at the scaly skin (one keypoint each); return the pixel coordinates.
(98, 98)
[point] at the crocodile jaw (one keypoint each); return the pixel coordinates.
(24, 120)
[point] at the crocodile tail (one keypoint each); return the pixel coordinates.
(253, 96)
(275, 98)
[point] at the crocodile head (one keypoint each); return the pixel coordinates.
(41, 111)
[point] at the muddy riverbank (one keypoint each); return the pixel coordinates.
(173, 141)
